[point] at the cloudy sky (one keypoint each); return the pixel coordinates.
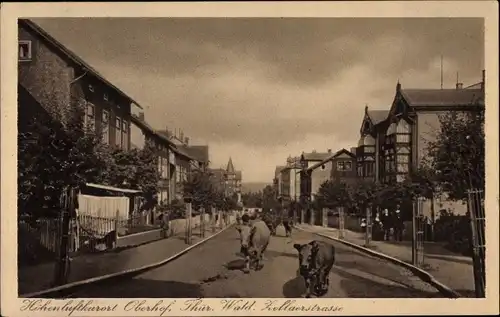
(259, 90)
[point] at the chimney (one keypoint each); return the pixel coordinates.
(329, 150)
(460, 85)
(186, 140)
(353, 150)
(141, 116)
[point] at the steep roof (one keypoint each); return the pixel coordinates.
(199, 152)
(443, 97)
(230, 166)
(33, 27)
(377, 116)
(316, 156)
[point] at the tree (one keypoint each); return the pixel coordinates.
(458, 153)
(54, 154)
(199, 188)
(333, 194)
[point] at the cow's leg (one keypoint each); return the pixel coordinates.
(307, 282)
(246, 269)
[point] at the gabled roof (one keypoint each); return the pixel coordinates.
(315, 156)
(143, 125)
(442, 97)
(331, 157)
(377, 116)
(33, 27)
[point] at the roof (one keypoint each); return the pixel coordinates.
(475, 86)
(25, 23)
(238, 175)
(331, 157)
(111, 188)
(315, 156)
(145, 126)
(277, 170)
(230, 166)
(377, 116)
(199, 152)
(443, 97)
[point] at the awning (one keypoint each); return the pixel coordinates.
(111, 188)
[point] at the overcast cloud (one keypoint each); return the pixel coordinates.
(259, 90)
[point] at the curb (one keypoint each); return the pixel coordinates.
(65, 288)
(423, 275)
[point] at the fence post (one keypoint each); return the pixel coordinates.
(62, 265)
(117, 225)
(214, 211)
(188, 222)
(341, 222)
(312, 218)
(324, 218)
(476, 214)
(368, 226)
(202, 222)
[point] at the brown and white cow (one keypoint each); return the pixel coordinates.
(316, 259)
(254, 241)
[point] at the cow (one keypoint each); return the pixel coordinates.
(316, 259)
(254, 241)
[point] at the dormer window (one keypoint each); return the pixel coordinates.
(392, 129)
(91, 88)
(106, 97)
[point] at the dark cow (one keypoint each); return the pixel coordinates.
(316, 259)
(254, 241)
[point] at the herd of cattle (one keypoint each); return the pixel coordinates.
(316, 258)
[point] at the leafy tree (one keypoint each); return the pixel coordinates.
(333, 194)
(52, 155)
(200, 189)
(458, 153)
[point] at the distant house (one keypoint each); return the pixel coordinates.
(277, 181)
(227, 180)
(312, 178)
(63, 83)
(369, 150)
(290, 180)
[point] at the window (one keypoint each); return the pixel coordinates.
(402, 163)
(89, 119)
(124, 135)
(91, 88)
(118, 132)
(106, 97)
(344, 166)
(159, 164)
(24, 51)
(105, 126)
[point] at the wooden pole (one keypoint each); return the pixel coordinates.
(324, 219)
(368, 226)
(214, 211)
(414, 233)
(341, 222)
(202, 222)
(62, 267)
(188, 222)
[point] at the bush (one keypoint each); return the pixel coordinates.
(455, 231)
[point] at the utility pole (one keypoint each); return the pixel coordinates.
(68, 205)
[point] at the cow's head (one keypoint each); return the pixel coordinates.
(246, 233)
(307, 254)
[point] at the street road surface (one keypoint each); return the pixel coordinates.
(214, 270)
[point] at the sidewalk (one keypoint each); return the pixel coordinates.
(36, 278)
(452, 270)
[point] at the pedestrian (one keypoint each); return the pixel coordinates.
(386, 224)
(363, 225)
(398, 224)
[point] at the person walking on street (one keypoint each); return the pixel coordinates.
(398, 224)
(386, 224)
